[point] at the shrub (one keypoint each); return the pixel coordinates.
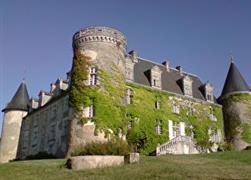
(118, 147)
(41, 155)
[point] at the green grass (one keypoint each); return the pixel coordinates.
(228, 165)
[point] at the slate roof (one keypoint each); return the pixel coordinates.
(234, 81)
(170, 80)
(20, 100)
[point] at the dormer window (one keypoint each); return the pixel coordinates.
(155, 77)
(208, 91)
(93, 76)
(187, 86)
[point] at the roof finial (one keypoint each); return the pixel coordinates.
(231, 58)
(24, 74)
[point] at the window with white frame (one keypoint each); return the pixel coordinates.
(90, 113)
(93, 76)
(176, 129)
(158, 128)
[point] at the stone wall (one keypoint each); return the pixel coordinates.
(46, 129)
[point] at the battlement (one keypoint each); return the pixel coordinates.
(99, 34)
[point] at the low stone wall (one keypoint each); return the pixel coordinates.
(90, 162)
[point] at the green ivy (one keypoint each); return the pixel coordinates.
(234, 124)
(110, 111)
(144, 115)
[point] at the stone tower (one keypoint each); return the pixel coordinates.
(106, 46)
(236, 101)
(14, 112)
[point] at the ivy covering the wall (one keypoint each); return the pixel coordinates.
(145, 118)
(111, 113)
(234, 124)
(106, 97)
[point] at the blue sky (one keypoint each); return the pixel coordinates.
(35, 37)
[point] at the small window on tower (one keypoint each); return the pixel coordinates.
(90, 115)
(157, 105)
(93, 76)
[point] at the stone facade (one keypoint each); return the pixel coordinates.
(46, 129)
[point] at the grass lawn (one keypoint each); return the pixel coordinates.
(227, 165)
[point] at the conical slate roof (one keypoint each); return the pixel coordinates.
(20, 100)
(234, 81)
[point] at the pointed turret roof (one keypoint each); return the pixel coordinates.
(234, 81)
(20, 100)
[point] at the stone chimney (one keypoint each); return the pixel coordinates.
(180, 69)
(167, 65)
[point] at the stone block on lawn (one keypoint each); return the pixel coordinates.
(132, 158)
(90, 162)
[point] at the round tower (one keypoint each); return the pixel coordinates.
(106, 46)
(14, 112)
(236, 104)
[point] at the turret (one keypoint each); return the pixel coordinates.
(14, 112)
(236, 101)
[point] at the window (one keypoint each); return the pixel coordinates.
(209, 97)
(154, 82)
(176, 129)
(209, 90)
(187, 89)
(90, 115)
(190, 108)
(155, 77)
(129, 96)
(187, 86)
(157, 105)
(129, 125)
(88, 112)
(175, 108)
(158, 128)
(93, 76)
(211, 114)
